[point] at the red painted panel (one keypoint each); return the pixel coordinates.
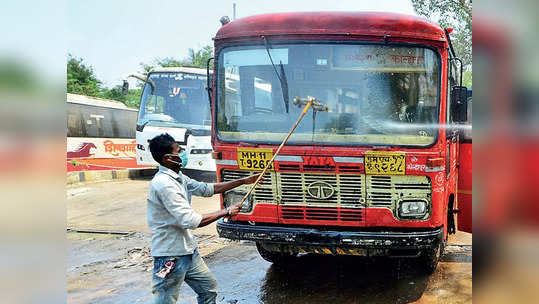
(383, 217)
(464, 191)
(262, 213)
(344, 23)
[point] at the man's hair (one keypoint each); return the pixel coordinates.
(161, 145)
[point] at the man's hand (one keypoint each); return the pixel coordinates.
(251, 179)
(225, 186)
(235, 209)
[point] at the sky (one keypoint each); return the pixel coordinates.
(114, 37)
(34, 38)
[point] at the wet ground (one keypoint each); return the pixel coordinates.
(246, 278)
(116, 268)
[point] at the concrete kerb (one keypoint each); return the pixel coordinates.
(107, 175)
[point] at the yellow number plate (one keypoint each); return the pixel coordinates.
(388, 163)
(254, 159)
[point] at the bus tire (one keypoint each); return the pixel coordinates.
(429, 258)
(274, 257)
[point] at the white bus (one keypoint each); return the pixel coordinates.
(175, 101)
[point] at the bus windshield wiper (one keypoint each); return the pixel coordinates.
(281, 76)
(141, 126)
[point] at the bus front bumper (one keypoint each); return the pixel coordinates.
(394, 243)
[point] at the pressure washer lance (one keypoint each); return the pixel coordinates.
(309, 102)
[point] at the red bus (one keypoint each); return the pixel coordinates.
(384, 172)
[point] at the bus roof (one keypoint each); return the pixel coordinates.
(98, 102)
(179, 70)
(343, 23)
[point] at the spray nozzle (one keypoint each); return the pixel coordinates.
(317, 105)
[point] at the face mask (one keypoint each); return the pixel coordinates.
(183, 157)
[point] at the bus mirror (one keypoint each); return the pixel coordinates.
(459, 103)
(125, 87)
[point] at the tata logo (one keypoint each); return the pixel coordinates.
(318, 161)
(320, 190)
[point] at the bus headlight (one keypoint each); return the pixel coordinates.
(234, 197)
(412, 208)
(201, 151)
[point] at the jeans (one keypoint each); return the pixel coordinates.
(189, 268)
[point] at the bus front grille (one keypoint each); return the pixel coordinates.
(291, 188)
(385, 191)
(264, 191)
(321, 214)
(299, 189)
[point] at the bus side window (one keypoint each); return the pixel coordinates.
(75, 125)
(467, 134)
(451, 81)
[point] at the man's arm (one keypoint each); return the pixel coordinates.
(209, 218)
(225, 186)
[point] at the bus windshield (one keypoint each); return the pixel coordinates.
(178, 100)
(376, 94)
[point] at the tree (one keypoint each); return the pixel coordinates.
(200, 58)
(81, 78)
(451, 13)
(195, 59)
(131, 99)
(114, 93)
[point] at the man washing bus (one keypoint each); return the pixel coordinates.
(171, 218)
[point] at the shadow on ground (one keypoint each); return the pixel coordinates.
(326, 279)
(245, 278)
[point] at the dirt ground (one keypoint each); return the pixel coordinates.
(115, 267)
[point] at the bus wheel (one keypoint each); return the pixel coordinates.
(430, 257)
(274, 257)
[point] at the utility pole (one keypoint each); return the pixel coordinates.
(234, 11)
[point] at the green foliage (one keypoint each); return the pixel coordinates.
(451, 13)
(131, 99)
(200, 58)
(81, 78)
(114, 93)
(195, 59)
(467, 79)
(146, 68)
